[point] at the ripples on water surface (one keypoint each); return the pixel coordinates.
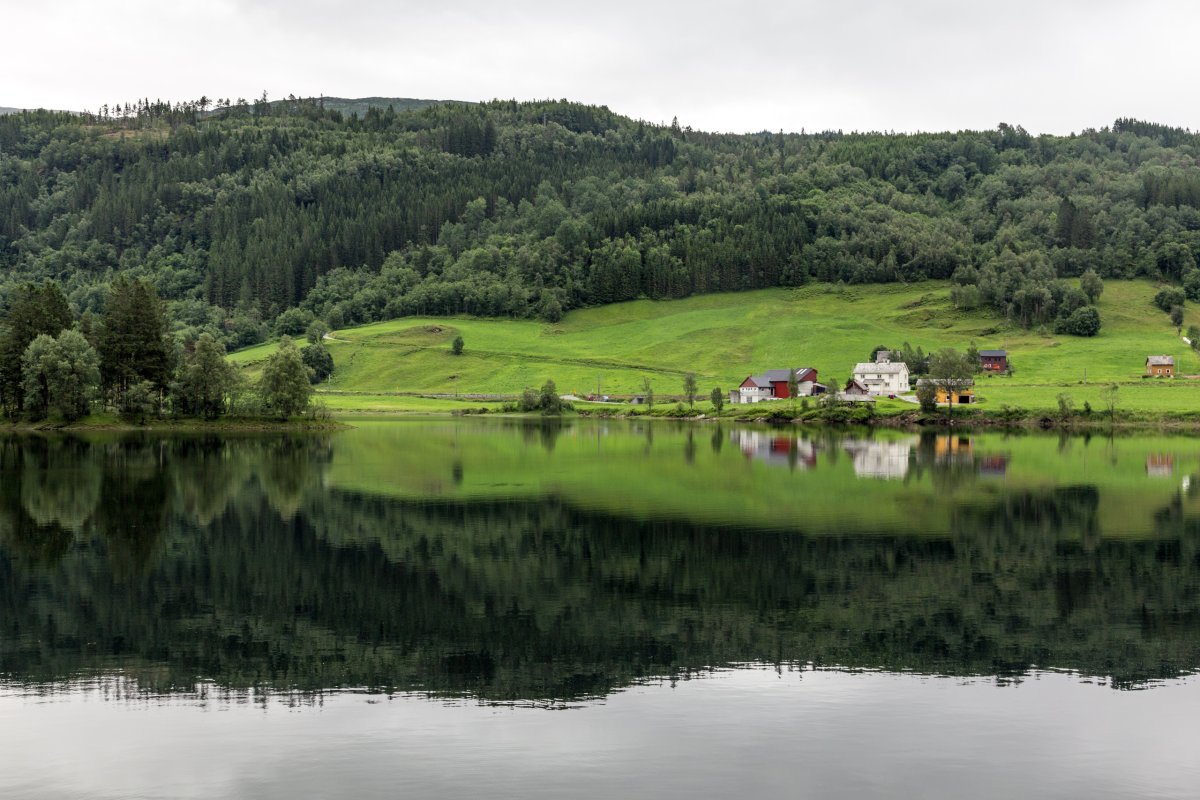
(431, 608)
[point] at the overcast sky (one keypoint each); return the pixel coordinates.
(732, 66)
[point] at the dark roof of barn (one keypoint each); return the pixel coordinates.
(781, 376)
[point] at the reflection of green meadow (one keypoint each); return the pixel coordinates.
(700, 473)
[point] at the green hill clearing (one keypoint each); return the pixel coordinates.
(724, 337)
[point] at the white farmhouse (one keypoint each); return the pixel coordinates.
(883, 377)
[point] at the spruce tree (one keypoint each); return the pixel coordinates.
(133, 342)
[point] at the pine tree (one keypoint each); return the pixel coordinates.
(1065, 228)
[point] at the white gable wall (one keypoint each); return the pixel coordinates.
(883, 379)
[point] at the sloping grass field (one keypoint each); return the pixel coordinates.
(724, 337)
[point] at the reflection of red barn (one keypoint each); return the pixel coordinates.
(1160, 465)
(775, 449)
(993, 465)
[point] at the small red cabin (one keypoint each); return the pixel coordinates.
(994, 360)
(1160, 366)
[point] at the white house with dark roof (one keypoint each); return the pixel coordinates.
(882, 378)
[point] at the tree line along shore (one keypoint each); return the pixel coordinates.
(123, 365)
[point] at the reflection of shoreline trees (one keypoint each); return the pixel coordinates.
(224, 559)
(128, 491)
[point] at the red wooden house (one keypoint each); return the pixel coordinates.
(1160, 366)
(994, 360)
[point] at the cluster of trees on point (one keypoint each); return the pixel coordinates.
(546, 400)
(126, 359)
(243, 212)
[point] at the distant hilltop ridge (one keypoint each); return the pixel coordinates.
(346, 105)
(361, 104)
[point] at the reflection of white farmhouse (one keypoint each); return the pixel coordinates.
(883, 377)
(887, 460)
(775, 448)
(1160, 465)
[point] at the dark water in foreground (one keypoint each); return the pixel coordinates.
(443, 608)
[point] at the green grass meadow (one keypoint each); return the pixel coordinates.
(724, 337)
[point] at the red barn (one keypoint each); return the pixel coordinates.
(773, 385)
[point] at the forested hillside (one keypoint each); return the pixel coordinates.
(238, 212)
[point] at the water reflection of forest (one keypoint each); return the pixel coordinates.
(231, 559)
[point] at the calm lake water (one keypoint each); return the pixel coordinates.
(501, 608)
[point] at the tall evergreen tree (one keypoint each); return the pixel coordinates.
(133, 341)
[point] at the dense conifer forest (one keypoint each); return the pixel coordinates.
(254, 218)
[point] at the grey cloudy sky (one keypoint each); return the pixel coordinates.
(1052, 66)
